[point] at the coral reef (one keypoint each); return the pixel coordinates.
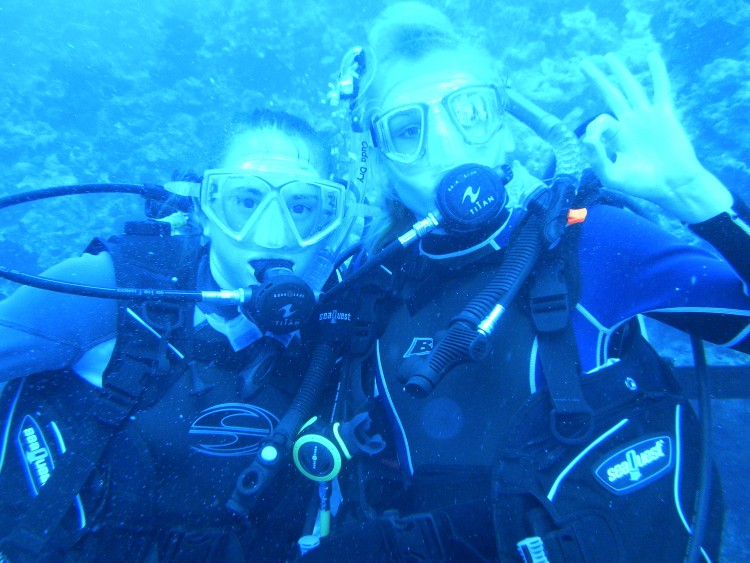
(129, 92)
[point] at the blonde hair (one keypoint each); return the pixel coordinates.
(411, 30)
(405, 31)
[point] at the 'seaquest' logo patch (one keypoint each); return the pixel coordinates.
(36, 455)
(232, 429)
(636, 465)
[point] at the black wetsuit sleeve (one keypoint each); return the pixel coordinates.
(43, 330)
(729, 233)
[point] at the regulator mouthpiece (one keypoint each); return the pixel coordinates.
(472, 197)
(282, 302)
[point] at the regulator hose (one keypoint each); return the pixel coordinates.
(274, 452)
(150, 191)
(466, 339)
(129, 293)
(454, 349)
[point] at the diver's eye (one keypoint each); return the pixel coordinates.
(405, 130)
(299, 209)
(409, 133)
(246, 203)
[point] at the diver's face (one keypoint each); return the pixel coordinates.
(453, 95)
(260, 218)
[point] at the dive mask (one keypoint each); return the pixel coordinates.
(308, 209)
(476, 111)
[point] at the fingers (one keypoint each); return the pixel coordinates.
(662, 89)
(633, 90)
(625, 92)
(600, 160)
(603, 128)
(614, 98)
(601, 133)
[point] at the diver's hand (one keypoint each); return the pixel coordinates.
(645, 151)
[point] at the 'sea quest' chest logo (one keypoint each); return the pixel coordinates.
(334, 316)
(636, 465)
(35, 453)
(232, 429)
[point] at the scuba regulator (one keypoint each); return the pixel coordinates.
(468, 334)
(472, 198)
(282, 302)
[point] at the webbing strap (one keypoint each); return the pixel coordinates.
(571, 416)
(123, 388)
(34, 528)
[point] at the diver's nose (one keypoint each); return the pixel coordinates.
(270, 228)
(445, 145)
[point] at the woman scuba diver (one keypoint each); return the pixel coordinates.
(528, 415)
(127, 423)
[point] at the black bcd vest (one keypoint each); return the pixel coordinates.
(160, 416)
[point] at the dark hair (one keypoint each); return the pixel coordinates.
(260, 120)
(291, 125)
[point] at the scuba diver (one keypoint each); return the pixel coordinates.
(126, 423)
(529, 418)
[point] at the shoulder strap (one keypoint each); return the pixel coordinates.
(551, 299)
(137, 264)
(36, 525)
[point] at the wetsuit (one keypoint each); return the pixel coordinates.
(200, 409)
(485, 464)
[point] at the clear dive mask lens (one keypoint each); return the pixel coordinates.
(475, 111)
(237, 201)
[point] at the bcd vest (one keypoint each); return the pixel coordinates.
(193, 424)
(485, 459)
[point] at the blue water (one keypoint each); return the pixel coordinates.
(98, 90)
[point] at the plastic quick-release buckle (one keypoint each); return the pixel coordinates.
(532, 550)
(417, 537)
